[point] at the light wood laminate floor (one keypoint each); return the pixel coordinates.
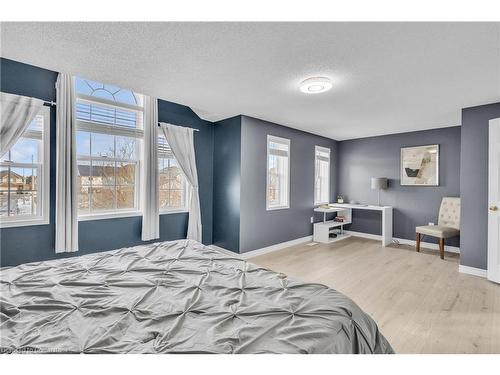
(421, 303)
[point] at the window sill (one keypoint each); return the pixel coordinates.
(180, 211)
(277, 208)
(109, 215)
(24, 223)
(317, 204)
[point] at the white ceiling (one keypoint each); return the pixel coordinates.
(388, 77)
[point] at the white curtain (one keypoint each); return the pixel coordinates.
(17, 112)
(66, 183)
(180, 140)
(150, 204)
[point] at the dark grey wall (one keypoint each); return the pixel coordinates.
(474, 184)
(259, 227)
(35, 243)
(361, 159)
(227, 172)
(25, 244)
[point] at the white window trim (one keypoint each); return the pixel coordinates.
(96, 127)
(43, 190)
(177, 210)
(115, 214)
(165, 211)
(327, 150)
(123, 212)
(271, 138)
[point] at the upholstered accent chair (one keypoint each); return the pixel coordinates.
(448, 224)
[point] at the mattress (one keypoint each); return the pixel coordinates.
(174, 297)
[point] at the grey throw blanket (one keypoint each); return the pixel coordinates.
(174, 297)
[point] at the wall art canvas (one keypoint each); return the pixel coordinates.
(420, 166)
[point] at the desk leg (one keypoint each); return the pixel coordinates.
(386, 226)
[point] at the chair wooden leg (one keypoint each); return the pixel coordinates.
(441, 248)
(418, 242)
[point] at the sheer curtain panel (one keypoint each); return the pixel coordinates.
(181, 142)
(66, 183)
(17, 112)
(150, 201)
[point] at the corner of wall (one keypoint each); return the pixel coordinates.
(227, 183)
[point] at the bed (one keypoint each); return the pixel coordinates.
(174, 297)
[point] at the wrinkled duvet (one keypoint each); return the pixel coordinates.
(174, 297)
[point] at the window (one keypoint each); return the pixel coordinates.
(278, 173)
(108, 145)
(24, 176)
(321, 175)
(173, 184)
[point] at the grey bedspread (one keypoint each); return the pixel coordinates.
(175, 297)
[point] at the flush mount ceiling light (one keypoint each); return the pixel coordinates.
(315, 85)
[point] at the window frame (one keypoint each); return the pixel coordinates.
(186, 190)
(116, 212)
(287, 142)
(324, 150)
(114, 130)
(43, 188)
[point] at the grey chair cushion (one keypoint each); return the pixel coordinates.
(438, 231)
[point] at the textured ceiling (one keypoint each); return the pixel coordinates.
(388, 77)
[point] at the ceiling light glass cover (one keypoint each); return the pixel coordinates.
(315, 85)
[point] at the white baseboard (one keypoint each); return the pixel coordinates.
(279, 246)
(364, 235)
(282, 245)
(403, 241)
(429, 245)
(472, 271)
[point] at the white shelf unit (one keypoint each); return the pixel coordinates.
(322, 230)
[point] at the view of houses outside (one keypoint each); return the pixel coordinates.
(19, 174)
(106, 174)
(107, 182)
(274, 181)
(18, 195)
(172, 184)
(108, 159)
(103, 182)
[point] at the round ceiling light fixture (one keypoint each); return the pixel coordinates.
(315, 85)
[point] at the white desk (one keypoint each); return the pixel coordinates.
(386, 217)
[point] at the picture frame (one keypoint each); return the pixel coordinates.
(419, 165)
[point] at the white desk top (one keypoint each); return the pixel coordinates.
(360, 206)
(329, 209)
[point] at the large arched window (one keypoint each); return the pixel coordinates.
(107, 92)
(109, 137)
(108, 104)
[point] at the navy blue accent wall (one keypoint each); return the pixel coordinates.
(227, 180)
(259, 227)
(361, 159)
(474, 184)
(26, 244)
(35, 243)
(204, 148)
